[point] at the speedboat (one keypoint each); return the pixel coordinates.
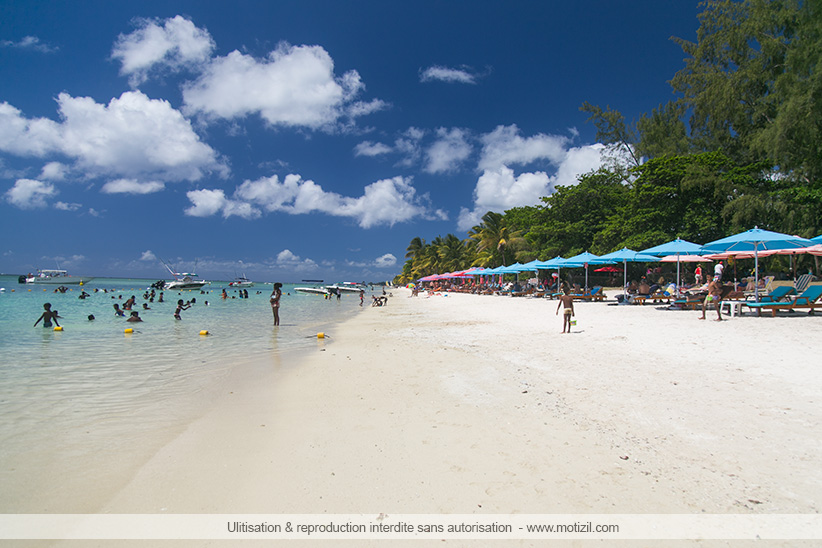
(241, 281)
(346, 287)
(183, 280)
(54, 277)
(312, 290)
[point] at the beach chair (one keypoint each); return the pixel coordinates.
(595, 294)
(802, 282)
(780, 293)
(689, 301)
(808, 299)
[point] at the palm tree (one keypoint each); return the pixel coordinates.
(451, 253)
(492, 235)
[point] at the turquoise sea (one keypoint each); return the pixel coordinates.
(64, 395)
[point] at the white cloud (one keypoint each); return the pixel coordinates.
(449, 150)
(132, 137)
(171, 45)
(65, 206)
(131, 186)
(30, 194)
(445, 74)
(293, 86)
(504, 147)
(500, 190)
(29, 42)
(205, 203)
(384, 202)
(148, 255)
(288, 259)
(27, 137)
(368, 148)
(54, 171)
(385, 261)
(577, 161)
(409, 146)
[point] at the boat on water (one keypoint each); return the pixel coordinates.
(54, 277)
(183, 280)
(317, 290)
(241, 281)
(347, 287)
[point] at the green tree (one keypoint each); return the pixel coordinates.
(493, 235)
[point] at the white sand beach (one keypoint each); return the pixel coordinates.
(477, 404)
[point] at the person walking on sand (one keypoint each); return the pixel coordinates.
(47, 316)
(567, 301)
(714, 296)
(275, 302)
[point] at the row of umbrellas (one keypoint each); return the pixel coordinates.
(753, 243)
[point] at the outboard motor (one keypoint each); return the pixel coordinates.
(21, 280)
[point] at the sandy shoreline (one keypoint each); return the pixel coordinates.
(477, 404)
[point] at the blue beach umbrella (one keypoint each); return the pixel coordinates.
(551, 264)
(756, 240)
(626, 256)
(583, 259)
(675, 247)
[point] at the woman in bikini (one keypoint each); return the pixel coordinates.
(275, 302)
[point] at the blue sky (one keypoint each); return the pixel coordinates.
(293, 140)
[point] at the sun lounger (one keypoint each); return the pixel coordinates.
(595, 294)
(689, 301)
(807, 300)
(780, 293)
(802, 282)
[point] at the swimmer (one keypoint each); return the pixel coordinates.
(135, 317)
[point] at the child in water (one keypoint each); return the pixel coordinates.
(47, 316)
(180, 308)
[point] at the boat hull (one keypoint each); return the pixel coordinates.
(171, 286)
(60, 280)
(312, 290)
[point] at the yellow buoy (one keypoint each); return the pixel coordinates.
(58, 328)
(204, 332)
(320, 335)
(128, 330)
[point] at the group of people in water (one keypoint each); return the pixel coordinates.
(49, 316)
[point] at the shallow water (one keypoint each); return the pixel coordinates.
(65, 395)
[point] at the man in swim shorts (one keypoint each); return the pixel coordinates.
(714, 296)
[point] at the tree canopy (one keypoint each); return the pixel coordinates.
(740, 145)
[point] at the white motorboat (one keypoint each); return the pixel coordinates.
(184, 280)
(312, 290)
(54, 277)
(346, 287)
(241, 281)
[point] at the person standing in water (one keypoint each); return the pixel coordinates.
(47, 316)
(275, 302)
